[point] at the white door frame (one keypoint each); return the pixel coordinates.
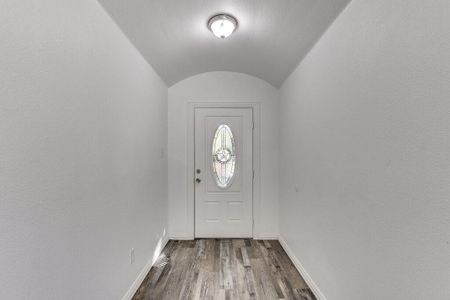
(256, 109)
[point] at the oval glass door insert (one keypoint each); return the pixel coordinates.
(223, 156)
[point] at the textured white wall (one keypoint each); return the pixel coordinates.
(365, 135)
(82, 128)
(221, 87)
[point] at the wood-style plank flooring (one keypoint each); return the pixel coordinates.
(223, 269)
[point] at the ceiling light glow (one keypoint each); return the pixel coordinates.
(222, 25)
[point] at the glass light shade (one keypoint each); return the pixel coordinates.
(222, 25)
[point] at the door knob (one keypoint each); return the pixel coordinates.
(198, 180)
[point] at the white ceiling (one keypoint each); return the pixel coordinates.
(272, 37)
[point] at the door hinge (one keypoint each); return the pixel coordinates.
(253, 125)
(253, 174)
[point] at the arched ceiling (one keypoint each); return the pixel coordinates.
(272, 37)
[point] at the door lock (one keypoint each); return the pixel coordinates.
(198, 180)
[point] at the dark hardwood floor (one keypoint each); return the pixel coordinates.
(223, 269)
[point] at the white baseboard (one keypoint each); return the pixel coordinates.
(314, 288)
(180, 237)
(264, 236)
(137, 283)
(267, 236)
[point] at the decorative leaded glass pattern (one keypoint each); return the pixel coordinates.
(223, 156)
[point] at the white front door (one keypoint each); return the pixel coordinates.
(223, 172)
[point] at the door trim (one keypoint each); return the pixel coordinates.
(256, 194)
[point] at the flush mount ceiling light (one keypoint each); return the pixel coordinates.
(222, 25)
